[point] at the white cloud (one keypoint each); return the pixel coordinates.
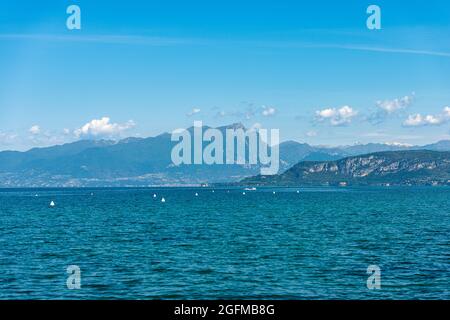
(337, 117)
(327, 113)
(414, 120)
(35, 130)
(433, 120)
(387, 108)
(268, 111)
(103, 128)
(311, 133)
(21, 141)
(247, 115)
(7, 137)
(193, 111)
(391, 106)
(256, 126)
(378, 134)
(221, 114)
(418, 120)
(446, 112)
(398, 144)
(8, 141)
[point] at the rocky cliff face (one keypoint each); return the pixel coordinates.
(418, 167)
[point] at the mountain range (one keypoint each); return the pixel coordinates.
(411, 167)
(147, 161)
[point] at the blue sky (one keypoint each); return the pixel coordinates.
(313, 70)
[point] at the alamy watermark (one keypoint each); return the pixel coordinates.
(73, 22)
(374, 20)
(74, 278)
(239, 146)
(374, 279)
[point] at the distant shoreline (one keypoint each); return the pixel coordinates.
(231, 187)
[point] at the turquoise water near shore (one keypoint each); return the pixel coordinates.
(316, 244)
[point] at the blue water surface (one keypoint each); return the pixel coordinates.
(315, 244)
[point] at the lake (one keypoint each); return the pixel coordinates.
(266, 244)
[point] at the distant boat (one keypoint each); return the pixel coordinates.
(196, 194)
(52, 204)
(243, 193)
(154, 195)
(298, 191)
(213, 191)
(250, 189)
(163, 200)
(274, 192)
